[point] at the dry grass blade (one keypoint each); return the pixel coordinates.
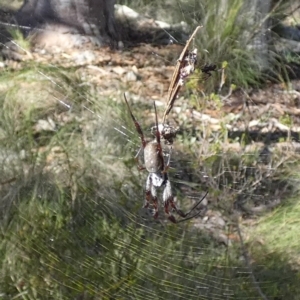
(184, 67)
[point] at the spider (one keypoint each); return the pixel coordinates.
(185, 66)
(158, 176)
(208, 68)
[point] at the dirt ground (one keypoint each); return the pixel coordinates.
(268, 115)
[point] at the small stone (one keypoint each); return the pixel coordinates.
(131, 76)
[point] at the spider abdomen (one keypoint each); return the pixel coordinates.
(153, 160)
(158, 179)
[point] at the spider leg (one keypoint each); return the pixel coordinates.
(168, 200)
(196, 214)
(180, 212)
(166, 168)
(148, 192)
(154, 201)
(136, 123)
(206, 76)
(157, 133)
(139, 166)
(151, 196)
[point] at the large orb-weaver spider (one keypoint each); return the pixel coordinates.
(157, 168)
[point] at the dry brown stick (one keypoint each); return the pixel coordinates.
(184, 67)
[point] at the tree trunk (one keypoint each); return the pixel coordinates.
(83, 19)
(257, 11)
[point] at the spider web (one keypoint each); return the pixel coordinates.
(74, 226)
